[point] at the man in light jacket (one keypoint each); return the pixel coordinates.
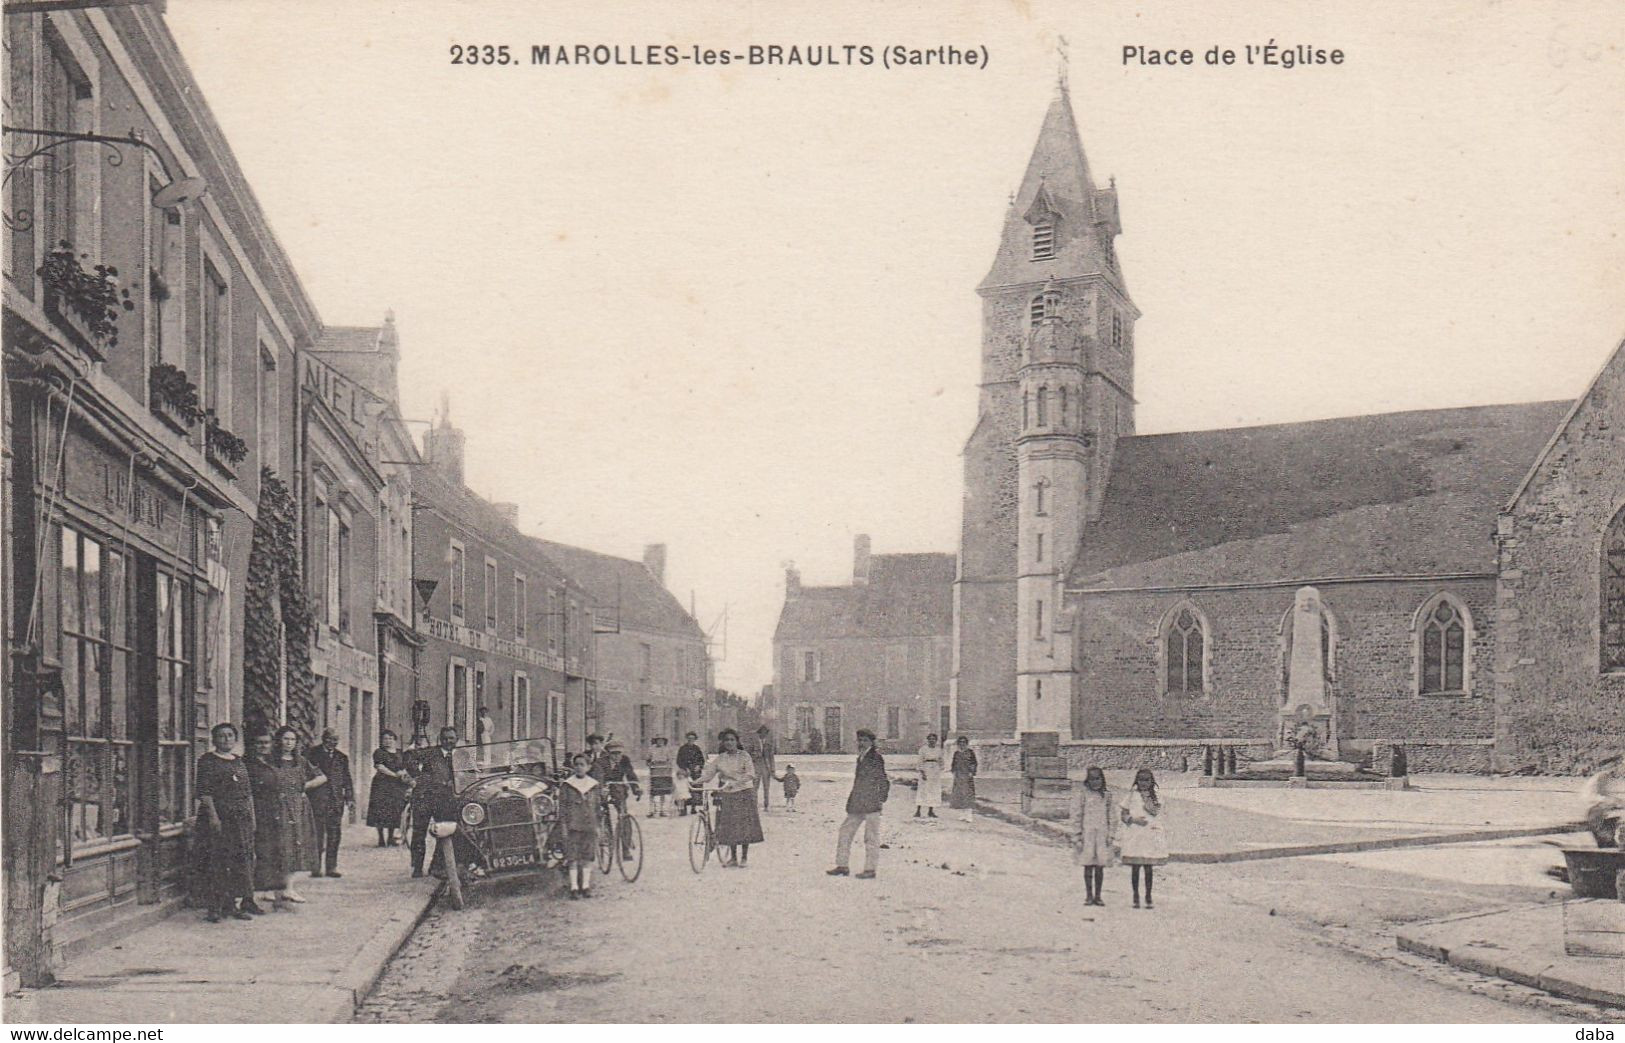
(870, 788)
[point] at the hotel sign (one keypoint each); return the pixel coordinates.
(480, 641)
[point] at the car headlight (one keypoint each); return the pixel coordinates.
(473, 814)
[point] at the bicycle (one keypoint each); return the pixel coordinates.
(620, 838)
(702, 834)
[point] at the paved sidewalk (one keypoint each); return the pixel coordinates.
(301, 963)
(1537, 946)
(1234, 825)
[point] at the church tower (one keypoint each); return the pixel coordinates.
(1056, 393)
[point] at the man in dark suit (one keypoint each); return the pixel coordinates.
(432, 792)
(691, 760)
(330, 800)
(870, 788)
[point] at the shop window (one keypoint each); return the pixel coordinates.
(174, 614)
(96, 679)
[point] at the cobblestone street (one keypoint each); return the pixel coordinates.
(981, 922)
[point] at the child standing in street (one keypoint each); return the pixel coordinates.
(792, 786)
(1094, 809)
(580, 800)
(1144, 844)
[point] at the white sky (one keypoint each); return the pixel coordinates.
(732, 309)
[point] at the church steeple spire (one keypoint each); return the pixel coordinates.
(1060, 225)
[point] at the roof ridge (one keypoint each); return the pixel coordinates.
(1534, 404)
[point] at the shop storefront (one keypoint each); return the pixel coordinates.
(112, 536)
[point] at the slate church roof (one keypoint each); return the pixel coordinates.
(1390, 494)
(908, 595)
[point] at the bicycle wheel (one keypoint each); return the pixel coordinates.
(699, 842)
(606, 845)
(629, 853)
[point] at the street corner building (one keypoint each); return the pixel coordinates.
(874, 653)
(151, 321)
(1451, 581)
(207, 490)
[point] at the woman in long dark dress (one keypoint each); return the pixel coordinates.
(287, 829)
(226, 828)
(389, 788)
(963, 797)
(270, 879)
(738, 824)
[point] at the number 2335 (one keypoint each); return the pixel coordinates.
(477, 54)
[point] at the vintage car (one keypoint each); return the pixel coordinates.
(501, 813)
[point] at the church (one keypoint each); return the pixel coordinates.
(1449, 580)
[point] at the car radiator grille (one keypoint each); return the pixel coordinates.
(508, 825)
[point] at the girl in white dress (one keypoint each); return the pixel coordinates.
(1142, 842)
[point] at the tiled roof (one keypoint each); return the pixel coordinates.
(1391, 494)
(908, 595)
(348, 338)
(644, 603)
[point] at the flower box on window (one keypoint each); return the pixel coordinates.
(222, 448)
(173, 397)
(84, 305)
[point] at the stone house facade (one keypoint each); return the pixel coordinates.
(874, 653)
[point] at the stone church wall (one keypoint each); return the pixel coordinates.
(1556, 709)
(1375, 669)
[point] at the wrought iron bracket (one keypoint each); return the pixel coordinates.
(23, 220)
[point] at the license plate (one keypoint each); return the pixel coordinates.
(509, 861)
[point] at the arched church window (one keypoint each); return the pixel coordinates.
(1045, 305)
(1041, 497)
(1613, 594)
(1117, 330)
(1044, 240)
(1026, 404)
(1184, 646)
(1043, 407)
(1442, 647)
(1111, 254)
(1063, 408)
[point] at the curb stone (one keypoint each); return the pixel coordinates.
(352, 985)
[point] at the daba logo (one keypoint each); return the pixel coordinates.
(1593, 1033)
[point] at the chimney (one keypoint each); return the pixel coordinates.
(654, 559)
(443, 444)
(509, 512)
(860, 560)
(792, 581)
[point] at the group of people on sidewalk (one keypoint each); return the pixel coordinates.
(263, 816)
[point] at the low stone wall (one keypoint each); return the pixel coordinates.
(1467, 758)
